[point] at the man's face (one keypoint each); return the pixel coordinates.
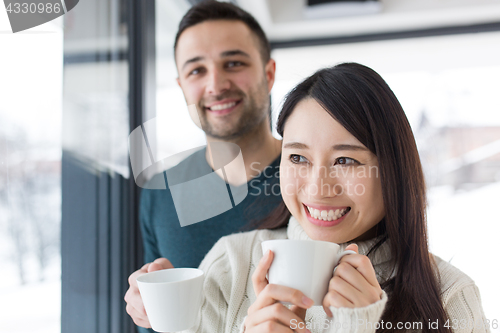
(221, 71)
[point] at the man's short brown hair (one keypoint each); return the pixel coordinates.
(213, 10)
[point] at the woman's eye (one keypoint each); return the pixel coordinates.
(346, 161)
(294, 158)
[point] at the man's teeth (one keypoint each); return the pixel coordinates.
(327, 215)
(219, 107)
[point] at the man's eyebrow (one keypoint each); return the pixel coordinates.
(195, 59)
(224, 54)
(233, 53)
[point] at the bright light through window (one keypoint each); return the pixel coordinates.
(30, 177)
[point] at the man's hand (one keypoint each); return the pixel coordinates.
(135, 307)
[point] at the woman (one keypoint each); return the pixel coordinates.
(349, 173)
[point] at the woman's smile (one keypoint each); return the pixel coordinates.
(326, 216)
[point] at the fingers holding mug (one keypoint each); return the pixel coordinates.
(259, 279)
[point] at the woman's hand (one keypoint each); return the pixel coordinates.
(267, 314)
(354, 283)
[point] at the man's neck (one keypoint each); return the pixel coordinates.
(259, 149)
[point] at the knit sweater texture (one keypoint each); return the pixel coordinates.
(228, 289)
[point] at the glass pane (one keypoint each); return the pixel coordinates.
(96, 205)
(96, 122)
(448, 87)
(175, 130)
(30, 177)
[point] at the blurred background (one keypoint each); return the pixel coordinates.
(73, 89)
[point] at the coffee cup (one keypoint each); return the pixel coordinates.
(306, 265)
(172, 298)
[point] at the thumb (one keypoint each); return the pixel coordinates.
(352, 247)
(159, 264)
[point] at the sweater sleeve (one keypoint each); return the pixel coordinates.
(465, 312)
(356, 320)
(216, 291)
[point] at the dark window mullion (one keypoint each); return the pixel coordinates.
(103, 261)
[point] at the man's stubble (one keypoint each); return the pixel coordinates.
(255, 111)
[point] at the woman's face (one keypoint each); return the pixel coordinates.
(329, 180)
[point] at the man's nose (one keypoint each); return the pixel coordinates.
(217, 83)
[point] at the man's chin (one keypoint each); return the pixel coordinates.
(223, 135)
(222, 130)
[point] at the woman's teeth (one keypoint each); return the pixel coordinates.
(219, 107)
(327, 215)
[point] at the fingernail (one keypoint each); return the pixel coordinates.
(265, 255)
(307, 301)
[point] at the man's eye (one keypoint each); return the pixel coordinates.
(346, 161)
(294, 158)
(234, 64)
(195, 71)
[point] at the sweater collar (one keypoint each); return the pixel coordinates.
(382, 255)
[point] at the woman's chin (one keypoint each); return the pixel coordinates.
(320, 234)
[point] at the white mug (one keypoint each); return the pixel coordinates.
(306, 265)
(172, 298)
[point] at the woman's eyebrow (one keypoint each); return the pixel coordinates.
(296, 145)
(348, 147)
(299, 145)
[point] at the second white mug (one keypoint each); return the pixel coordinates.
(306, 265)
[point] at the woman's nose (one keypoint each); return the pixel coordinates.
(323, 183)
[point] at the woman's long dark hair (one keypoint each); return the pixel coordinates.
(361, 101)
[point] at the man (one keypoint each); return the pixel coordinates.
(224, 67)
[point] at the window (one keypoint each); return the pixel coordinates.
(31, 66)
(176, 132)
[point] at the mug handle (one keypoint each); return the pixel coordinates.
(342, 255)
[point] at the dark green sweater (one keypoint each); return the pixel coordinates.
(186, 246)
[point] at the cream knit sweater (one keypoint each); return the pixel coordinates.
(228, 290)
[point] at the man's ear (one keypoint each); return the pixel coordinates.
(270, 71)
(178, 82)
